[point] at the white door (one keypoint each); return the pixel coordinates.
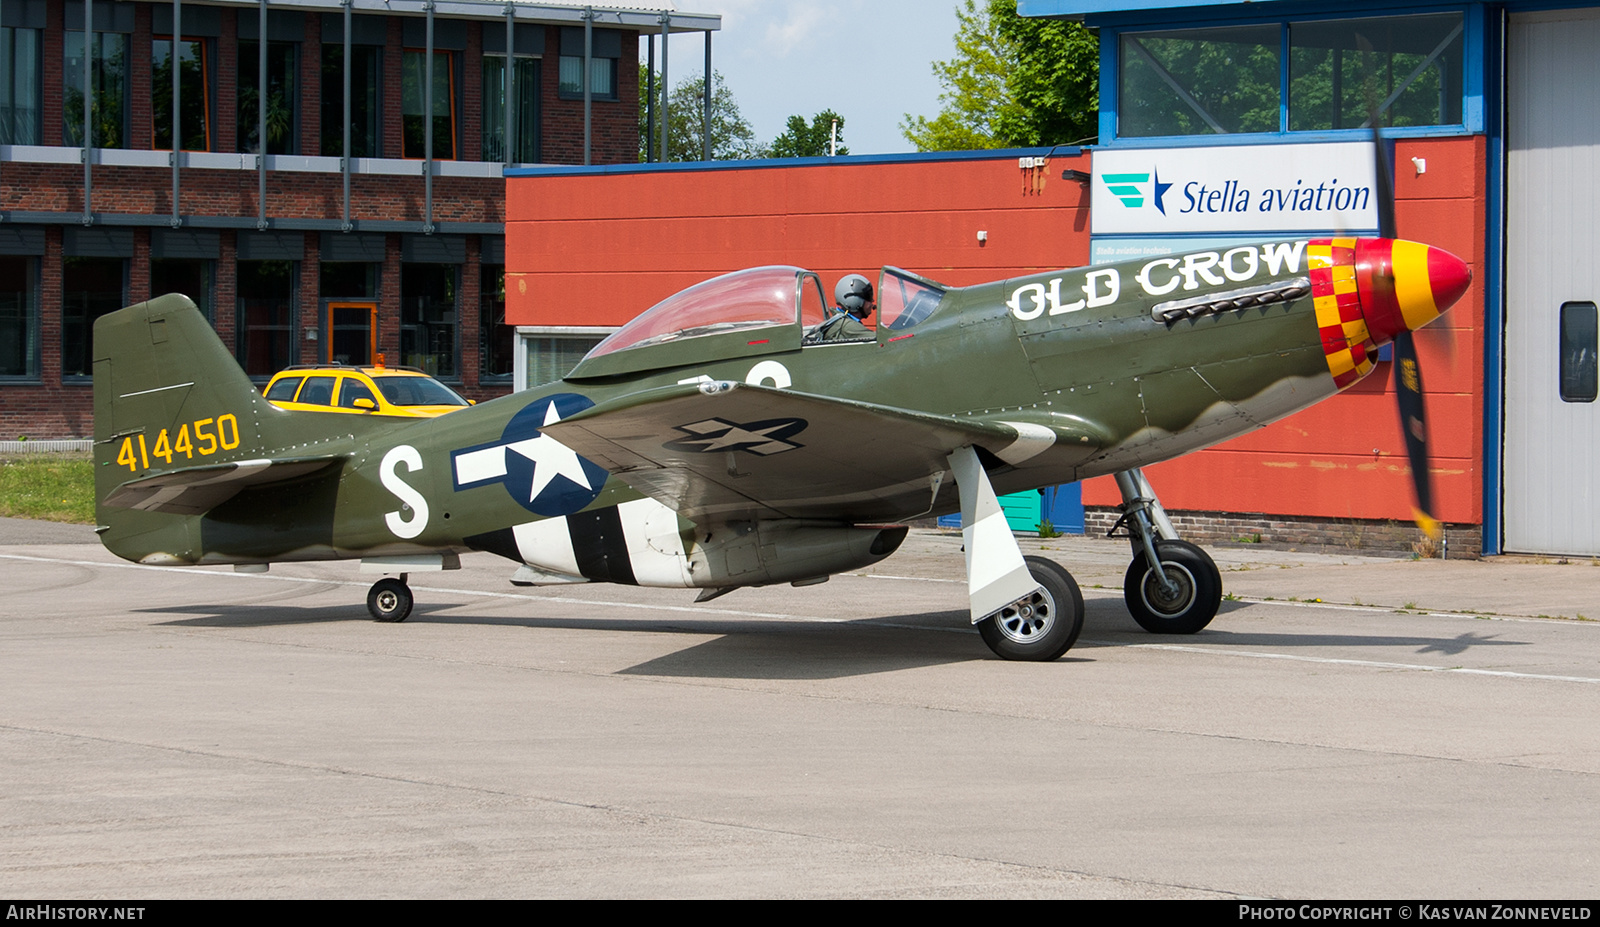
(1552, 422)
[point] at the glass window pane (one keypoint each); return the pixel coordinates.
(282, 96)
(108, 89)
(192, 278)
(525, 125)
(283, 390)
(552, 357)
(1200, 81)
(353, 389)
(602, 77)
(1580, 338)
(90, 288)
(19, 86)
(571, 76)
(317, 391)
(428, 318)
(496, 339)
(19, 318)
(194, 94)
(414, 142)
(1412, 75)
(266, 316)
(365, 101)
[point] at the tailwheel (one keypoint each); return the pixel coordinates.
(389, 600)
(1043, 626)
(1187, 602)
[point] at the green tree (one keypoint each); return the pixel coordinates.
(1014, 82)
(732, 138)
(803, 140)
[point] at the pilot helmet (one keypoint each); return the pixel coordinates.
(854, 294)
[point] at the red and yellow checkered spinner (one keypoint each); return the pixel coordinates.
(1367, 290)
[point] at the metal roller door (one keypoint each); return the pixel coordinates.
(1552, 419)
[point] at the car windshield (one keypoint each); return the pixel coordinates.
(762, 297)
(417, 391)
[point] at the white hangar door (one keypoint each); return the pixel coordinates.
(1552, 416)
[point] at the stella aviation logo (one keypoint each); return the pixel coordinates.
(543, 475)
(1130, 189)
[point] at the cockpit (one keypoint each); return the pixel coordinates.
(757, 311)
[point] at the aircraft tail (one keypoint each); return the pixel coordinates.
(179, 429)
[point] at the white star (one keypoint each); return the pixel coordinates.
(551, 458)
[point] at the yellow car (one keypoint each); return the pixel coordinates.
(379, 390)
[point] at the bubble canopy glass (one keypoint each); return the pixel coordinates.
(761, 297)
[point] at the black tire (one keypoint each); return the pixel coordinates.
(389, 600)
(1045, 627)
(1199, 590)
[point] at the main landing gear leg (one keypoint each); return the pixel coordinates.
(1026, 608)
(389, 599)
(1181, 593)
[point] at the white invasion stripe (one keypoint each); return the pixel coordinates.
(654, 548)
(159, 389)
(1032, 440)
(477, 466)
(547, 544)
(1339, 661)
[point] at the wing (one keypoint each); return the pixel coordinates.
(197, 490)
(731, 450)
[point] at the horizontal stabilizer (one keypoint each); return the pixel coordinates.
(197, 490)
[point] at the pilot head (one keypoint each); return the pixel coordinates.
(854, 295)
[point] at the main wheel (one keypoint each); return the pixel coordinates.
(1045, 626)
(1193, 604)
(389, 600)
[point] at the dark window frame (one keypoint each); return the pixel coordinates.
(88, 323)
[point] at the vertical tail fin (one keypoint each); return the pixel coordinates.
(179, 429)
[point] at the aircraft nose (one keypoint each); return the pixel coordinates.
(1403, 285)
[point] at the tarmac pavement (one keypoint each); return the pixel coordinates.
(1418, 733)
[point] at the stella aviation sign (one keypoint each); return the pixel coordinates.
(1234, 188)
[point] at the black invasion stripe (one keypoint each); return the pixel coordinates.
(600, 547)
(502, 542)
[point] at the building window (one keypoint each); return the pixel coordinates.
(282, 96)
(366, 101)
(496, 339)
(19, 318)
(108, 90)
(266, 316)
(413, 81)
(428, 318)
(525, 113)
(1199, 81)
(19, 86)
(1580, 375)
(1412, 74)
(605, 50)
(194, 94)
(191, 277)
(1231, 79)
(551, 353)
(90, 288)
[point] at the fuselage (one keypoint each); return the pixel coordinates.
(1107, 367)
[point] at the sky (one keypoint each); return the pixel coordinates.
(868, 60)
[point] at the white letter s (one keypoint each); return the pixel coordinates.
(401, 527)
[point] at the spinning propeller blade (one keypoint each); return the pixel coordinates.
(1407, 373)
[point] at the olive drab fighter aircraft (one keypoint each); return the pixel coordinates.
(713, 444)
